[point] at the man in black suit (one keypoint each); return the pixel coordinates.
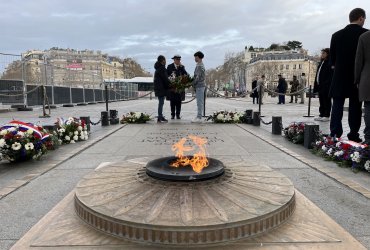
(176, 69)
(343, 47)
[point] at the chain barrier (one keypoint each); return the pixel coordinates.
(95, 123)
(32, 90)
(266, 123)
(131, 99)
(287, 94)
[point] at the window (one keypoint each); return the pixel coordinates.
(276, 67)
(300, 66)
(281, 66)
(287, 67)
(295, 66)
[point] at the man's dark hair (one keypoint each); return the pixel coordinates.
(199, 54)
(161, 58)
(355, 14)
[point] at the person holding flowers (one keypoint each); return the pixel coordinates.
(176, 96)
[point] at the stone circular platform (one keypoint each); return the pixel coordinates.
(122, 200)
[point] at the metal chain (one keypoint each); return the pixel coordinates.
(95, 123)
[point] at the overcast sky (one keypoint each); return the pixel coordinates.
(144, 29)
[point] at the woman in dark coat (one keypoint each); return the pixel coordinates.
(322, 83)
(161, 85)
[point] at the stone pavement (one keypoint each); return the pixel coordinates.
(29, 190)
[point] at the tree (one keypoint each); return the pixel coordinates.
(294, 45)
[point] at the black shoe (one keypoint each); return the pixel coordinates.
(161, 120)
(290, 102)
(178, 117)
(355, 139)
(172, 117)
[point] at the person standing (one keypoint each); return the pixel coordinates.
(282, 87)
(302, 86)
(261, 88)
(199, 84)
(161, 85)
(362, 78)
(176, 69)
(343, 46)
(294, 88)
(254, 93)
(323, 77)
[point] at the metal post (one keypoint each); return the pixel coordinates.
(204, 103)
(309, 103)
(106, 97)
(259, 101)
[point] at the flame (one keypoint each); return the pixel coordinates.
(198, 161)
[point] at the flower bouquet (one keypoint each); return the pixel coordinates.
(71, 130)
(225, 117)
(344, 153)
(180, 83)
(135, 117)
(295, 132)
(20, 141)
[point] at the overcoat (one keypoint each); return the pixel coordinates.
(362, 66)
(343, 47)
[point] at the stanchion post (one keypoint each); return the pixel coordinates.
(309, 103)
(277, 125)
(204, 102)
(106, 97)
(259, 100)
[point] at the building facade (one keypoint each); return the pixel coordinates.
(70, 67)
(288, 63)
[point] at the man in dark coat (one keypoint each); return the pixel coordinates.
(343, 47)
(362, 78)
(176, 69)
(161, 85)
(324, 74)
(254, 94)
(282, 87)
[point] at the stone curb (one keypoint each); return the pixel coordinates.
(330, 172)
(44, 168)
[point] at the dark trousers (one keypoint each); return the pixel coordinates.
(325, 104)
(354, 117)
(296, 98)
(175, 107)
(255, 98)
(367, 122)
(282, 99)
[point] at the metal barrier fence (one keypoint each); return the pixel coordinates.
(11, 92)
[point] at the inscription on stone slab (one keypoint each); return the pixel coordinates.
(169, 136)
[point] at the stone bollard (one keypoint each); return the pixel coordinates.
(104, 118)
(277, 125)
(256, 119)
(249, 116)
(113, 114)
(310, 134)
(86, 119)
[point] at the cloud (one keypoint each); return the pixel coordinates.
(144, 29)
